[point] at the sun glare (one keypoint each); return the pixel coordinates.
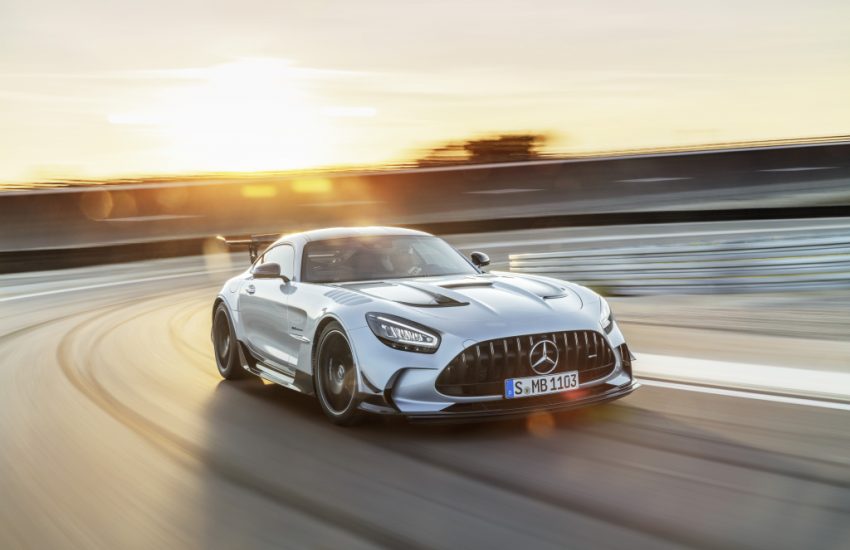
(249, 115)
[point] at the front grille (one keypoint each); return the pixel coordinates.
(482, 369)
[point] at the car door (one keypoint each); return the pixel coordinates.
(302, 299)
(263, 306)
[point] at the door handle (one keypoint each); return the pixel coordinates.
(251, 289)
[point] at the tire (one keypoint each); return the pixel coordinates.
(335, 377)
(225, 346)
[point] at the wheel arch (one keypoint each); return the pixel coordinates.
(218, 300)
(320, 326)
(232, 315)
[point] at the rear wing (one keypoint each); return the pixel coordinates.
(254, 243)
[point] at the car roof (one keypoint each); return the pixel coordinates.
(343, 232)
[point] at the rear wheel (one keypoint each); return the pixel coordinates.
(225, 346)
(335, 377)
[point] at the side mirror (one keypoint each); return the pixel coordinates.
(479, 259)
(269, 271)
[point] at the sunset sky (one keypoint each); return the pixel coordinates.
(92, 89)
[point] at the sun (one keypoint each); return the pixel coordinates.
(248, 115)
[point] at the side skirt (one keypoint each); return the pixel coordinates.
(293, 380)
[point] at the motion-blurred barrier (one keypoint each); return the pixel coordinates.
(727, 267)
(563, 190)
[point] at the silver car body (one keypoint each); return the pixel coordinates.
(502, 315)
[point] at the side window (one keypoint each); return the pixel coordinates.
(284, 255)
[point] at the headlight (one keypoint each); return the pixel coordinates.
(402, 334)
(606, 318)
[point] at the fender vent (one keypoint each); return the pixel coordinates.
(347, 298)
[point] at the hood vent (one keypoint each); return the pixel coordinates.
(440, 300)
(468, 284)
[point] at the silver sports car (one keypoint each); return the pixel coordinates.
(394, 321)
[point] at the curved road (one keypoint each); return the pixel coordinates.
(117, 432)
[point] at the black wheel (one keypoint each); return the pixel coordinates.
(335, 377)
(225, 346)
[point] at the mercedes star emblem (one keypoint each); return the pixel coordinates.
(543, 357)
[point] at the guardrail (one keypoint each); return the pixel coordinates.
(54, 228)
(566, 190)
(727, 267)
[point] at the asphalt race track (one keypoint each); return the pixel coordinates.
(117, 432)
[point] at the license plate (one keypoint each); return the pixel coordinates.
(540, 385)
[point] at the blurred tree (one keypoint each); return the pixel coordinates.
(503, 148)
(446, 155)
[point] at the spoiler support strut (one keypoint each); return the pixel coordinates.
(253, 242)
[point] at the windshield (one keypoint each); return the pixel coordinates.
(380, 257)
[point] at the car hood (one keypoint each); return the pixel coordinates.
(494, 304)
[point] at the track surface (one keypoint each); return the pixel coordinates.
(116, 432)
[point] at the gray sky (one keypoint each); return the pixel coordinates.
(109, 88)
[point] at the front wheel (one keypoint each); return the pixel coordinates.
(335, 377)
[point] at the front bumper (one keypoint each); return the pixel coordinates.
(397, 399)
(411, 390)
(513, 408)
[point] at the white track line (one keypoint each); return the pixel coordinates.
(748, 395)
(115, 283)
(506, 191)
(655, 180)
(799, 169)
(777, 380)
(153, 218)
